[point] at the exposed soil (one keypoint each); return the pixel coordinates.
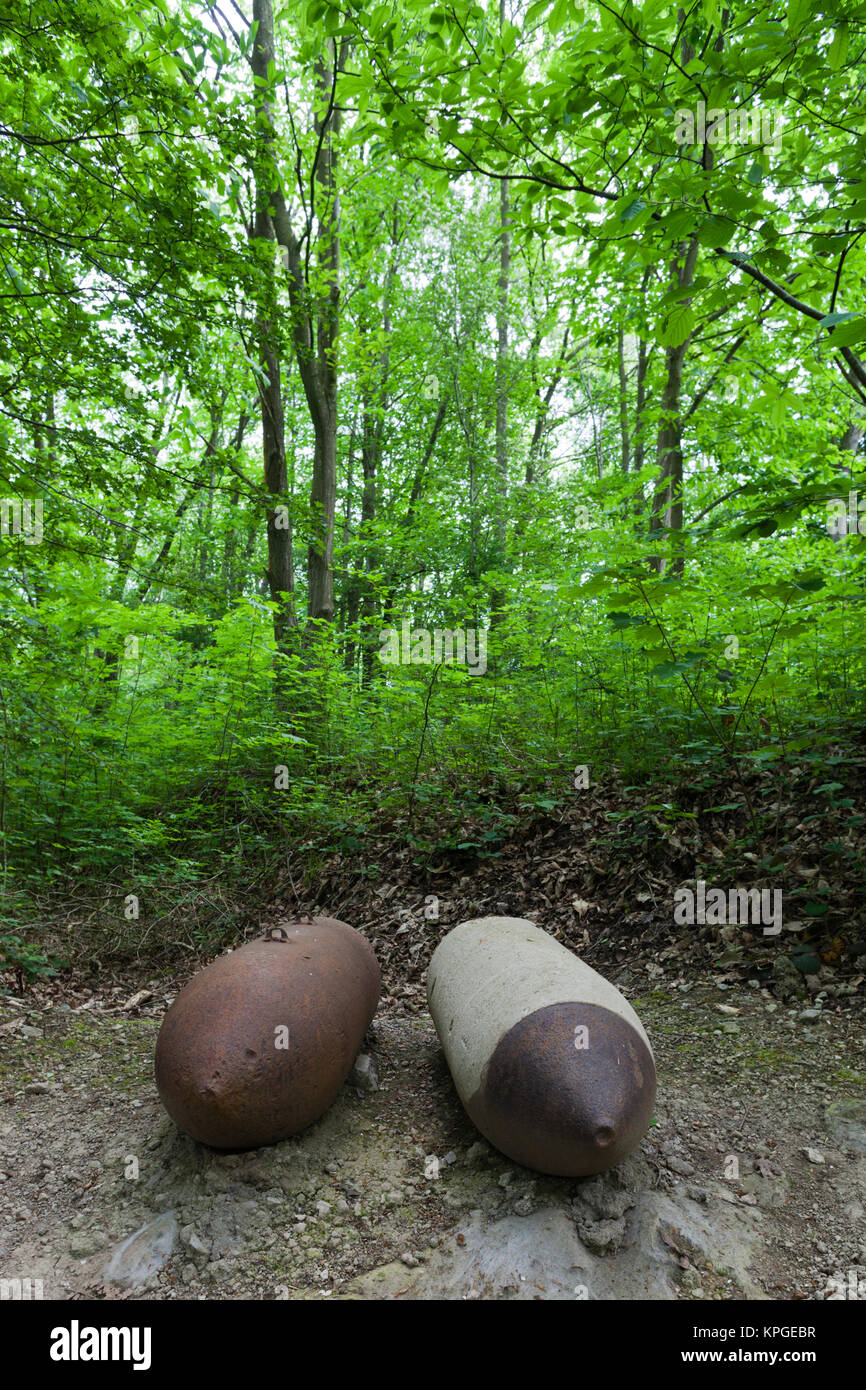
(306, 1217)
(750, 1183)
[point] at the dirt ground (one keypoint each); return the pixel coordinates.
(751, 1182)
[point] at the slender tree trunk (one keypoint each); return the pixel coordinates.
(497, 597)
(323, 492)
(849, 443)
(667, 511)
(625, 443)
(314, 311)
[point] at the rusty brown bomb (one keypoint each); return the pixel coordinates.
(550, 1061)
(258, 1044)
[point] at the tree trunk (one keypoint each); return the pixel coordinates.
(497, 597)
(314, 314)
(667, 510)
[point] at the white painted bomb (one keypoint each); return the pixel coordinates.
(549, 1060)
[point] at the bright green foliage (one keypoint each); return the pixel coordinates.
(144, 738)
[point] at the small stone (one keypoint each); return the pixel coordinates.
(813, 1155)
(601, 1236)
(85, 1243)
(39, 1088)
(450, 1158)
(809, 1015)
(681, 1166)
(323, 1208)
(523, 1207)
(408, 1259)
(846, 1121)
(476, 1152)
(787, 978)
(365, 1074)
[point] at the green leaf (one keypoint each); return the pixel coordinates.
(798, 12)
(838, 48)
(624, 620)
(850, 333)
(678, 326)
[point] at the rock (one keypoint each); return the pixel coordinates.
(681, 1166)
(144, 1252)
(602, 1236)
(39, 1088)
(604, 1202)
(365, 1073)
(523, 1206)
(542, 1256)
(27, 1031)
(431, 1166)
(323, 1208)
(194, 1242)
(84, 1243)
(788, 982)
(845, 1120)
(813, 1155)
(408, 1260)
(691, 1282)
(809, 1015)
(476, 1152)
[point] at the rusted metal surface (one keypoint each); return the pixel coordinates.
(561, 1110)
(258, 1044)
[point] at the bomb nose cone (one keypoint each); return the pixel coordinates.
(560, 1109)
(550, 1061)
(258, 1044)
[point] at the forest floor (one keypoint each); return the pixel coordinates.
(751, 1182)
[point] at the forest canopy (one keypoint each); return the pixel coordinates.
(416, 411)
